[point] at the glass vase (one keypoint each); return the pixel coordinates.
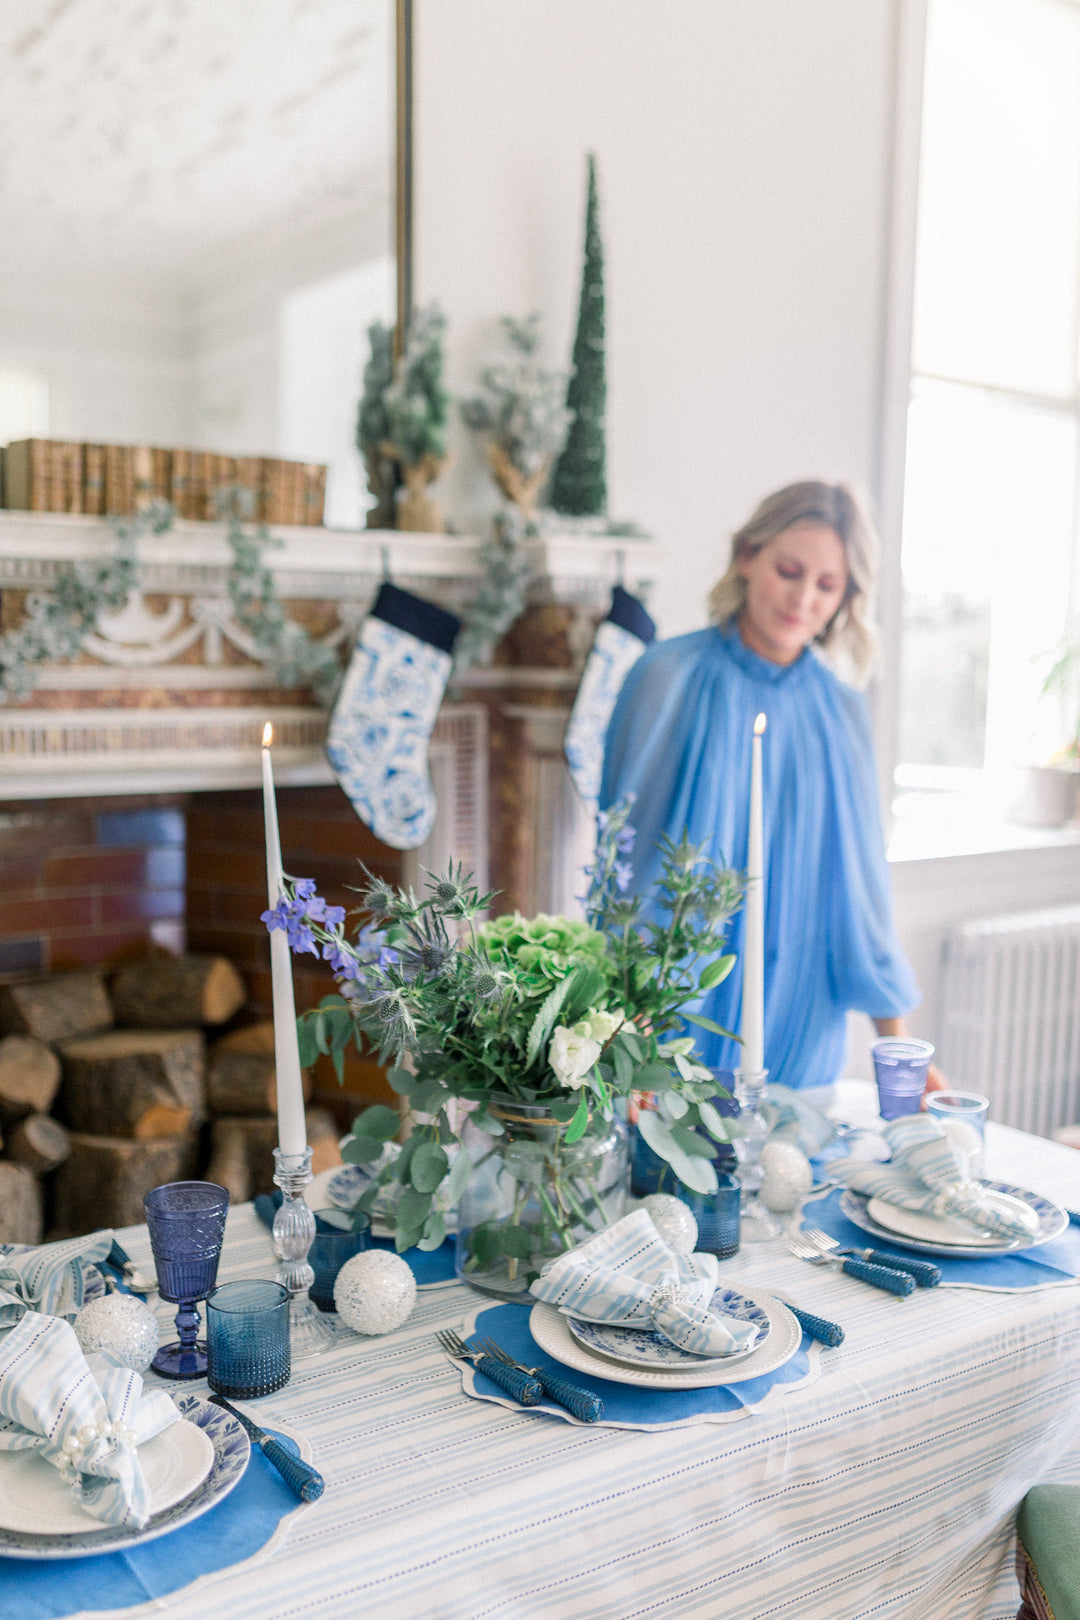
(533, 1195)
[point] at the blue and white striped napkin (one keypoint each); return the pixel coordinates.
(85, 1415)
(628, 1276)
(49, 1278)
(926, 1172)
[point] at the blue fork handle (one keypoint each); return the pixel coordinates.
(522, 1385)
(893, 1282)
(585, 1407)
(298, 1475)
(926, 1275)
(818, 1328)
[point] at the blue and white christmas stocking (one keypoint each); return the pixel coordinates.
(620, 640)
(377, 741)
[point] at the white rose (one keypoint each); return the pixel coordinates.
(571, 1055)
(601, 1026)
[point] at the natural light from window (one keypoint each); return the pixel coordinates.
(990, 521)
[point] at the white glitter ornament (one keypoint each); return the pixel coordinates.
(788, 1177)
(674, 1222)
(120, 1325)
(374, 1291)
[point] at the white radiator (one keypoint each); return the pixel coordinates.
(1010, 1016)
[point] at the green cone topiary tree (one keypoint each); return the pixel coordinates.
(579, 482)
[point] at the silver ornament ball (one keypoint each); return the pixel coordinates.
(121, 1326)
(374, 1292)
(788, 1177)
(674, 1222)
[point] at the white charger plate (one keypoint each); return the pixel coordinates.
(645, 1347)
(551, 1331)
(917, 1223)
(1053, 1220)
(34, 1497)
(231, 1448)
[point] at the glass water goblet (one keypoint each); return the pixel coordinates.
(187, 1223)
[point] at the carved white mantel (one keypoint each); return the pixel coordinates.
(134, 722)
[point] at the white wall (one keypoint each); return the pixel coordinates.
(743, 156)
(746, 154)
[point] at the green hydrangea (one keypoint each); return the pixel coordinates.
(544, 947)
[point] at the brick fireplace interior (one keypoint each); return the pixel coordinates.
(95, 882)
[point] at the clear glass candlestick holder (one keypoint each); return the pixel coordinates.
(756, 1222)
(294, 1231)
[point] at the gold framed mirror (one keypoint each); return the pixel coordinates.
(202, 208)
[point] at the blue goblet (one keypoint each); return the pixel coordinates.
(187, 1223)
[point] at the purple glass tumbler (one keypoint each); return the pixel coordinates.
(187, 1223)
(900, 1066)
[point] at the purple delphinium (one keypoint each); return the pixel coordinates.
(295, 916)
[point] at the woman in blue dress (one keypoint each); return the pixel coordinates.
(795, 599)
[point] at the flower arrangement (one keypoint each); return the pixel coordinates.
(512, 1018)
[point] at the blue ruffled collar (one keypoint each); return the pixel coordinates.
(758, 668)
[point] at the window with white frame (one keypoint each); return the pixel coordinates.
(991, 543)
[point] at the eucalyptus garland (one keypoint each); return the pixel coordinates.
(57, 622)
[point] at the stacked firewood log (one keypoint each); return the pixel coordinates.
(111, 1086)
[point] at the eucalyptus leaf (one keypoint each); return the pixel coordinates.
(412, 1208)
(429, 1165)
(707, 1023)
(624, 1066)
(400, 1080)
(458, 1179)
(713, 1122)
(694, 1172)
(379, 1122)
(515, 1241)
(672, 1106)
(434, 1231)
(653, 1077)
(361, 1149)
(306, 1041)
(690, 1143)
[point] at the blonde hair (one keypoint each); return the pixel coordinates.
(849, 637)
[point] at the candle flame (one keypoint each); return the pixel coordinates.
(759, 725)
(268, 735)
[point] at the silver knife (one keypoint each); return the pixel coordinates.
(299, 1476)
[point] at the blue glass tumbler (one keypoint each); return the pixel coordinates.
(247, 1338)
(330, 1248)
(717, 1214)
(187, 1223)
(900, 1065)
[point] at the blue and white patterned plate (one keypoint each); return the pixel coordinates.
(1052, 1219)
(232, 1448)
(644, 1347)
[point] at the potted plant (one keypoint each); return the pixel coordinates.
(516, 1044)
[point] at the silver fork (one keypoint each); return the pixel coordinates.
(587, 1408)
(892, 1282)
(925, 1274)
(520, 1385)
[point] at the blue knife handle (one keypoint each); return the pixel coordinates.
(893, 1282)
(585, 1407)
(926, 1275)
(522, 1385)
(299, 1476)
(818, 1328)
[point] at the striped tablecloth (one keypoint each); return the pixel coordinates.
(884, 1489)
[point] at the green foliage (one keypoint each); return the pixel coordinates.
(415, 403)
(281, 645)
(373, 426)
(579, 482)
(521, 407)
(546, 1011)
(500, 596)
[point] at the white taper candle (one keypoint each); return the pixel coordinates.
(292, 1132)
(752, 1028)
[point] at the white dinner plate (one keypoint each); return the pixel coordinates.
(917, 1223)
(33, 1495)
(1052, 1219)
(551, 1331)
(645, 1347)
(231, 1451)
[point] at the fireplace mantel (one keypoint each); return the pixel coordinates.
(167, 697)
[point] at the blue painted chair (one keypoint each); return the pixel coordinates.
(1048, 1553)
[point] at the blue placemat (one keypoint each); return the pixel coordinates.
(428, 1267)
(230, 1532)
(624, 1406)
(1054, 1262)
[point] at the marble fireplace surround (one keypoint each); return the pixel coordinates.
(167, 698)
